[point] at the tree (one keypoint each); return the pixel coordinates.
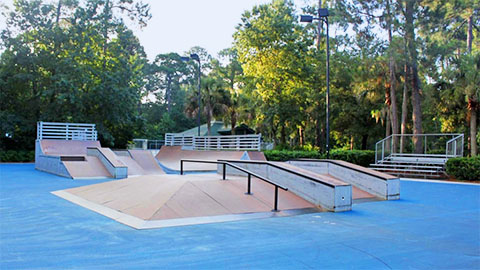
(67, 69)
(271, 49)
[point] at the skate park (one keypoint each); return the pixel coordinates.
(239, 135)
(200, 186)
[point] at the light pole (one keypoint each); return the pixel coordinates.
(323, 16)
(195, 57)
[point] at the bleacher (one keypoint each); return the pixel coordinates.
(394, 159)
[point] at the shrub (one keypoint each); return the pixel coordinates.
(284, 155)
(360, 157)
(17, 156)
(464, 168)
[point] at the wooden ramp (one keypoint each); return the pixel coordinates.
(170, 156)
(174, 200)
(91, 168)
(146, 161)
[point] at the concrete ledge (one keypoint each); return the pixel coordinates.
(379, 184)
(327, 192)
(113, 166)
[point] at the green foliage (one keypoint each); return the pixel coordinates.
(464, 168)
(284, 155)
(74, 61)
(360, 157)
(17, 156)
(68, 62)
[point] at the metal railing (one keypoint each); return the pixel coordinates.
(454, 146)
(66, 131)
(437, 145)
(227, 142)
(249, 177)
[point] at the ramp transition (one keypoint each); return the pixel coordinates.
(170, 156)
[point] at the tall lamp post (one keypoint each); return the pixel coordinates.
(195, 57)
(323, 16)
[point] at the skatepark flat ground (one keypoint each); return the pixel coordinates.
(432, 226)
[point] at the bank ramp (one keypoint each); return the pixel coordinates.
(87, 159)
(170, 156)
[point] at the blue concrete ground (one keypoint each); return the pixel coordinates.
(433, 226)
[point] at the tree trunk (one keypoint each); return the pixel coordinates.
(470, 34)
(473, 104)
(364, 141)
(404, 109)
(387, 124)
(59, 7)
(473, 132)
(387, 129)
(233, 120)
(318, 133)
(283, 136)
(300, 135)
(393, 96)
(208, 111)
(412, 52)
(351, 142)
(168, 92)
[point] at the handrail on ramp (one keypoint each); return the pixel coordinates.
(249, 177)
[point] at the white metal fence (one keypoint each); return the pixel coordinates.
(228, 142)
(66, 131)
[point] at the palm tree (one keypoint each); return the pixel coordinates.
(215, 100)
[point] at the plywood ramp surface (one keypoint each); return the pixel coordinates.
(66, 147)
(256, 155)
(174, 196)
(170, 157)
(146, 161)
(133, 167)
(92, 167)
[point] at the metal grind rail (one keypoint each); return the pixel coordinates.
(249, 177)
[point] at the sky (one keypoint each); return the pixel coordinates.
(178, 25)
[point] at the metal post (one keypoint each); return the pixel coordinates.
(425, 144)
(181, 167)
(383, 150)
(199, 98)
(275, 205)
(328, 91)
(461, 150)
(249, 185)
(224, 171)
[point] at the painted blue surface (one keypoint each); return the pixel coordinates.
(433, 226)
